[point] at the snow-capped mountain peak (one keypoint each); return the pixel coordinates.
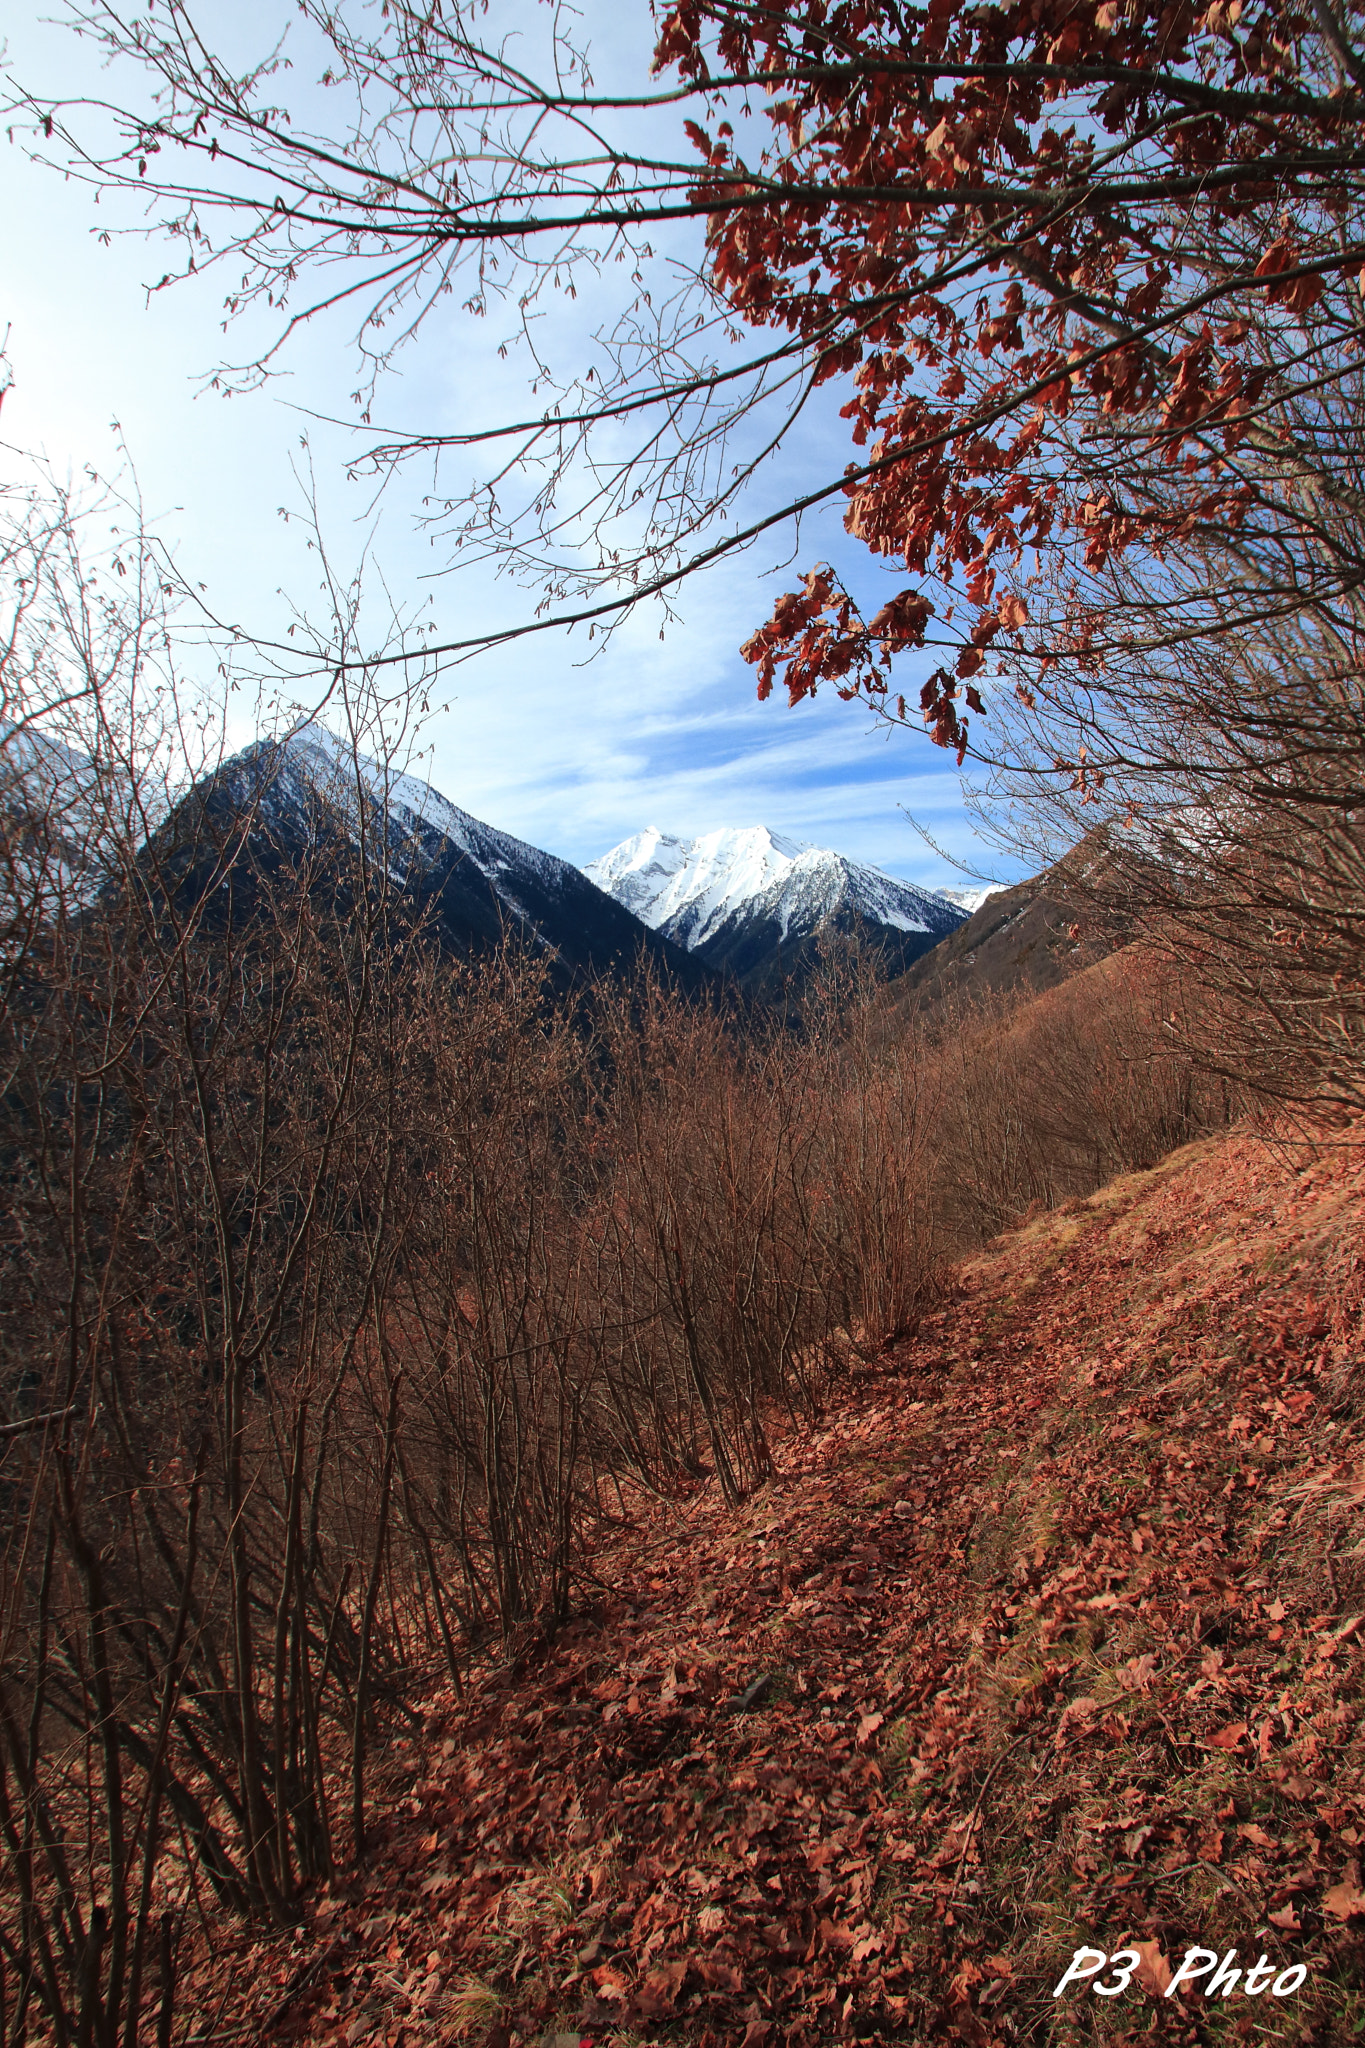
(751, 895)
(970, 899)
(420, 825)
(698, 882)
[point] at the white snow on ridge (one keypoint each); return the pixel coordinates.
(969, 899)
(690, 888)
(700, 881)
(68, 818)
(313, 759)
(738, 884)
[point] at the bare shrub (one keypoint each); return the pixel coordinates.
(347, 1291)
(342, 1289)
(1218, 790)
(1048, 1097)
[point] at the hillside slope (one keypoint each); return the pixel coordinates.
(283, 800)
(1029, 937)
(1020, 938)
(1058, 1622)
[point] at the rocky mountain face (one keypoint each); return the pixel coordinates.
(971, 899)
(60, 818)
(1019, 939)
(1028, 937)
(755, 904)
(274, 810)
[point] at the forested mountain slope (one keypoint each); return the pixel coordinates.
(268, 811)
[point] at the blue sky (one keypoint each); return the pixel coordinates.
(572, 757)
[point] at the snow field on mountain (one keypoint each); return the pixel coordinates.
(689, 889)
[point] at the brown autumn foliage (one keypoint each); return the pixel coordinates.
(1086, 277)
(365, 1320)
(1052, 1097)
(1045, 1636)
(360, 1314)
(352, 1299)
(343, 1294)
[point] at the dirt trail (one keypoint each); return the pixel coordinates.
(1052, 1636)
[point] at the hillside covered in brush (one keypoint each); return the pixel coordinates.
(1049, 1636)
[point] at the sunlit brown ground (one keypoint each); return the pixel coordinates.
(1061, 1613)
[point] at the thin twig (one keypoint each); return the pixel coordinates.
(37, 1421)
(972, 1817)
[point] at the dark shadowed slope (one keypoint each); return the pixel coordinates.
(273, 810)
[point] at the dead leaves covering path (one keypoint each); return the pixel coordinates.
(1062, 1621)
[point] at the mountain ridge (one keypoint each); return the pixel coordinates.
(756, 903)
(477, 884)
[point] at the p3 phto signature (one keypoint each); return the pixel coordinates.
(1091, 1966)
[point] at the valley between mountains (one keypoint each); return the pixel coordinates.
(745, 907)
(1049, 1636)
